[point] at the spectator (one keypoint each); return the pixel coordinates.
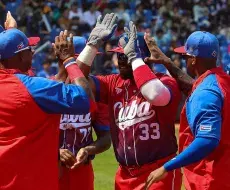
(64, 21)
(90, 16)
(108, 60)
(12, 6)
(122, 13)
(76, 12)
(47, 71)
(200, 10)
(139, 12)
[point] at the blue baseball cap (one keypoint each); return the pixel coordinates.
(142, 45)
(13, 41)
(79, 44)
(1, 29)
(200, 44)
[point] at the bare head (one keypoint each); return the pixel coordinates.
(15, 50)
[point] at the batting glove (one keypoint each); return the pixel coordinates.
(132, 49)
(103, 30)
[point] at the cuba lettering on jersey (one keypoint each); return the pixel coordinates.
(141, 133)
(75, 132)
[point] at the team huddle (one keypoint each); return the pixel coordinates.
(135, 110)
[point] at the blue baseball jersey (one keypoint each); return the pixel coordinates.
(203, 109)
(56, 97)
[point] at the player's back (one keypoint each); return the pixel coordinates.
(28, 139)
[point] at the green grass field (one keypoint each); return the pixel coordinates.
(105, 166)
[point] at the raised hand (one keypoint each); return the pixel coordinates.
(103, 30)
(157, 56)
(131, 49)
(64, 47)
(10, 21)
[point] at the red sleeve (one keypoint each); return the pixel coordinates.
(105, 85)
(142, 75)
(101, 121)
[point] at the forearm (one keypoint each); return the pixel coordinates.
(184, 81)
(85, 59)
(102, 144)
(76, 76)
(62, 73)
(150, 86)
(196, 151)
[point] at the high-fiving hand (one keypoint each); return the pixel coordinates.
(63, 46)
(10, 21)
(103, 30)
(131, 49)
(157, 56)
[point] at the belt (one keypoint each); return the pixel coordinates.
(138, 170)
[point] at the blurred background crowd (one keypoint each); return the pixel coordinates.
(169, 21)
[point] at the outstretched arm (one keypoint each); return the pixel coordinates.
(65, 51)
(153, 90)
(185, 82)
(102, 32)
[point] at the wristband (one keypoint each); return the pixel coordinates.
(87, 55)
(69, 62)
(143, 74)
(72, 69)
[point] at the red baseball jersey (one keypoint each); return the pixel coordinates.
(30, 110)
(76, 130)
(141, 132)
(212, 172)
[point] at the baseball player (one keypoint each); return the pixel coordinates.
(142, 109)
(204, 136)
(30, 109)
(77, 147)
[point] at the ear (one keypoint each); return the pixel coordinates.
(1, 66)
(20, 56)
(194, 61)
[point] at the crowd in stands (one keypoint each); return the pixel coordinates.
(169, 21)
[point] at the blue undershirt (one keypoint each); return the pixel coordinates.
(204, 115)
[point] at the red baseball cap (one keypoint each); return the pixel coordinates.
(33, 41)
(180, 50)
(118, 49)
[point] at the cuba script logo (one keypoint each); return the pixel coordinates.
(133, 114)
(74, 121)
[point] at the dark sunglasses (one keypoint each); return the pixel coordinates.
(186, 56)
(122, 56)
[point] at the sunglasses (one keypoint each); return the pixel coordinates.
(122, 57)
(186, 56)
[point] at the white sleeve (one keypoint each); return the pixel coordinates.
(154, 91)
